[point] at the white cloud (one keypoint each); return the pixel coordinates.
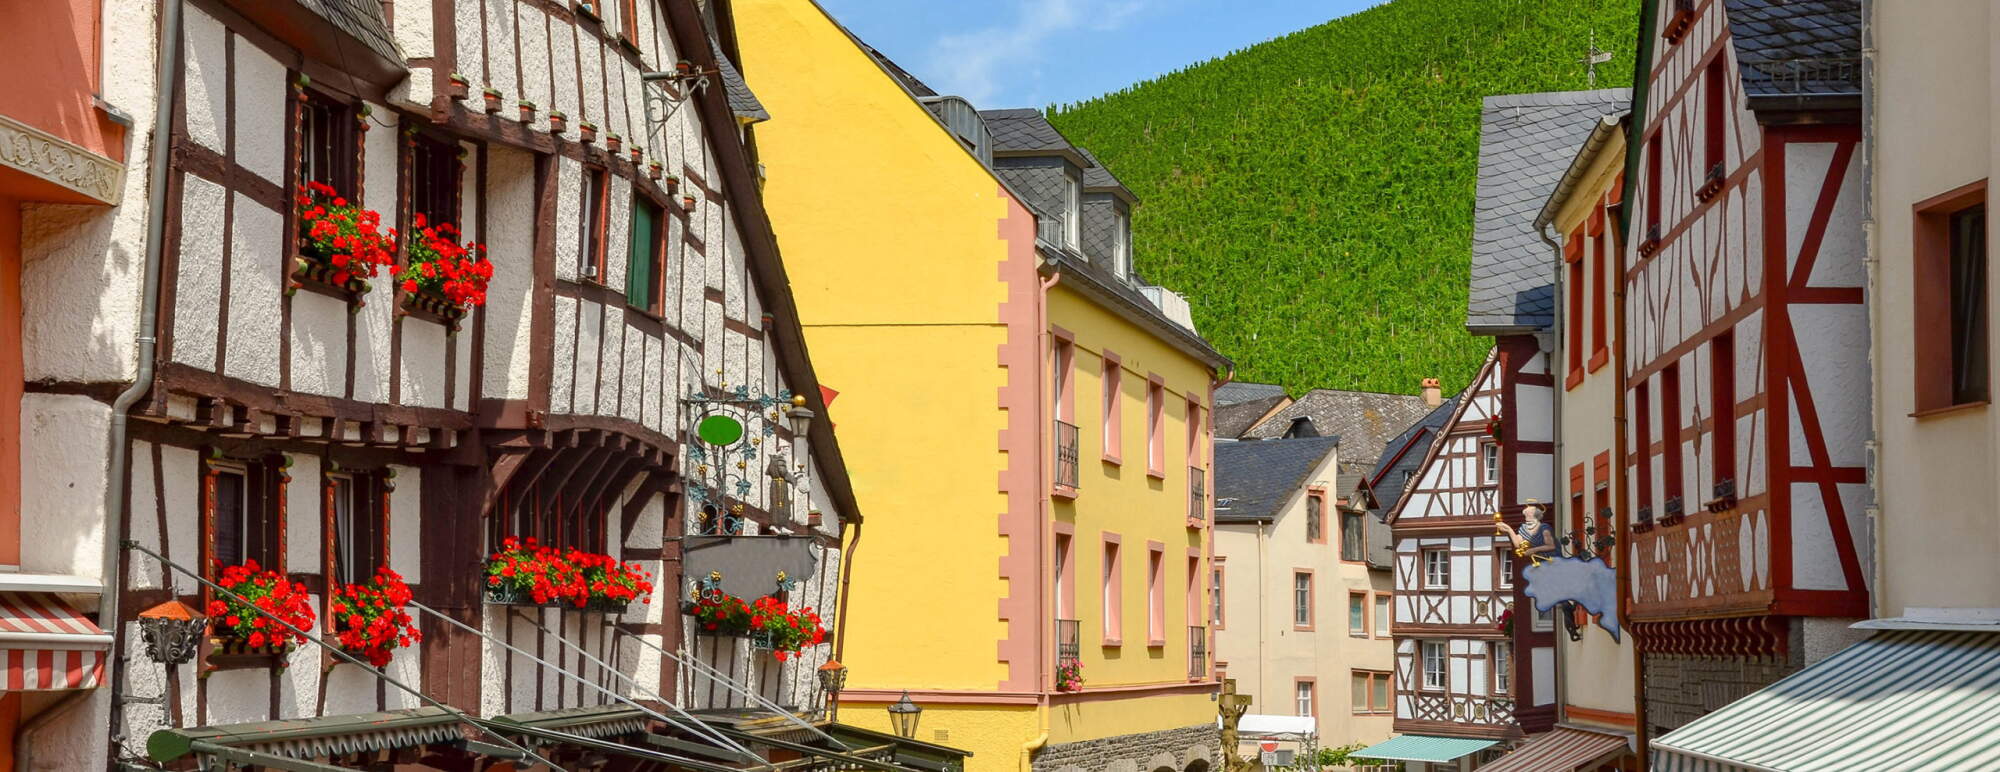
(972, 64)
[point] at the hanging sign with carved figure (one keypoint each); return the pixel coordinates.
(1554, 579)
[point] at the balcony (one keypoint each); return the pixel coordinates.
(1069, 656)
(1197, 511)
(1197, 652)
(1066, 458)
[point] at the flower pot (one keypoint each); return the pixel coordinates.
(313, 272)
(653, 170)
(613, 142)
(638, 154)
(527, 114)
(557, 123)
(429, 305)
(458, 88)
(492, 102)
(687, 203)
(673, 183)
(587, 133)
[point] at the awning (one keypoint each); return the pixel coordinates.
(1911, 699)
(46, 644)
(312, 738)
(1423, 747)
(1562, 750)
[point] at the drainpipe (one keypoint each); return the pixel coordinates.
(1871, 259)
(1556, 493)
(846, 575)
(1043, 600)
(146, 344)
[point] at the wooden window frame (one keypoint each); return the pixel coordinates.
(343, 122)
(1424, 565)
(430, 175)
(1424, 665)
(1367, 707)
(1673, 482)
(1218, 601)
(1722, 393)
(1935, 354)
(264, 482)
(1113, 409)
(1311, 600)
(1600, 348)
(1650, 240)
(371, 488)
(1574, 279)
(594, 209)
(1715, 117)
(1367, 611)
(1502, 685)
(1384, 608)
(1489, 476)
(1315, 516)
(656, 301)
(1642, 429)
(1503, 569)
(1360, 519)
(1311, 695)
(1065, 575)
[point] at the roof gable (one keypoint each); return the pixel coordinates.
(1254, 480)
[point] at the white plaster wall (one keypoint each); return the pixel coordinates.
(298, 683)
(461, 387)
(349, 689)
(562, 53)
(533, 26)
(591, 55)
(500, 53)
(236, 696)
(254, 265)
(618, 234)
(259, 134)
(562, 384)
(634, 375)
(319, 344)
(405, 523)
(197, 290)
(63, 468)
(611, 353)
(374, 323)
(207, 78)
(180, 470)
(510, 196)
(304, 511)
(145, 573)
(590, 321)
(413, 30)
(422, 369)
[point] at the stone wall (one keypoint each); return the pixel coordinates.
(1187, 749)
(1683, 687)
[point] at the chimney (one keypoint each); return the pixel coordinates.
(1302, 426)
(1433, 395)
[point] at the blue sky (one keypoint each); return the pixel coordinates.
(1032, 53)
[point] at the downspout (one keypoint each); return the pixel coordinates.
(846, 576)
(1043, 401)
(1557, 496)
(146, 343)
(1871, 259)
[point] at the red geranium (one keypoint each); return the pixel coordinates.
(788, 630)
(369, 619)
(538, 572)
(341, 234)
(438, 263)
(267, 598)
(607, 579)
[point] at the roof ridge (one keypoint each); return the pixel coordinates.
(1557, 98)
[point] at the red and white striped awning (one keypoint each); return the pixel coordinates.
(46, 644)
(1562, 750)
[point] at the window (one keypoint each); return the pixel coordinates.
(329, 150)
(1315, 517)
(1544, 621)
(1603, 523)
(1113, 409)
(1194, 591)
(1156, 598)
(1302, 600)
(1353, 537)
(590, 254)
(1072, 207)
(1357, 614)
(1371, 692)
(645, 258)
(1722, 388)
(561, 515)
(1489, 462)
(434, 180)
(1307, 703)
(1065, 582)
(1599, 352)
(1653, 188)
(1156, 430)
(1437, 569)
(1573, 277)
(1383, 614)
(1642, 428)
(1062, 369)
(242, 514)
(1121, 242)
(359, 534)
(1215, 598)
(1715, 119)
(1670, 428)
(1949, 281)
(1433, 664)
(1067, 437)
(1113, 610)
(1503, 668)
(1506, 567)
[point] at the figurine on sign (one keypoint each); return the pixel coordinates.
(1535, 540)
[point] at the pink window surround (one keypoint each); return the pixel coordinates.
(1312, 600)
(1065, 364)
(1218, 600)
(1065, 547)
(1156, 426)
(1156, 594)
(1114, 408)
(1112, 591)
(1194, 610)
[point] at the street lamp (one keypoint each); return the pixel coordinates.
(903, 715)
(172, 632)
(832, 678)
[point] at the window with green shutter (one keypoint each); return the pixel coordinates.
(642, 270)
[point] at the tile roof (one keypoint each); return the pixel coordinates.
(741, 100)
(361, 19)
(1235, 418)
(1239, 391)
(1254, 479)
(1526, 142)
(1023, 129)
(1364, 420)
(1389, 468)
(1797, 47)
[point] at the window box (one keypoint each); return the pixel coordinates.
(1725, 496)
(1651, 243)
(316, 275)
(432, 306)
(1677, 25)
(637, 154)
(1712, 185)
(672, 183)
(1645, 523)
(232, 653)
(1676, 511)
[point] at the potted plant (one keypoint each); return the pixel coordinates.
(370, 620)
(252, 624)
(557, 121)
(443, 277)
(683, 67)
(687, 203)
(768, 622)
(587, 132)
(673, 183)
(492, 100)
(527, 111)
(638, 154)
(612, 585)
(1506, 625)
(460, 86)
(1069, 676)
(339, 242)
(654, 170)
(527, 573)
(612, 141)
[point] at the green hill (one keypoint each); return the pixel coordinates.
(1312, 195)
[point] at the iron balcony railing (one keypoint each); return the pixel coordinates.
(1069, 640)
(1197, 652)
(1197, 493)
(1066, 454)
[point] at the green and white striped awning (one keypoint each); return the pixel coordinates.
(1904, 700)
(1423, 747)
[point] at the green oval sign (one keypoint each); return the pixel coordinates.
(719, 430)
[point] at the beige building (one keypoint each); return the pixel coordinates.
(1301, 616)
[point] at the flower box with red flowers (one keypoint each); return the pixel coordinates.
(341, 245)
(256, 624)
(444, 278)
(613, 585)
(527, 573)
(372, 620)
(1069, 675)
(768, 622)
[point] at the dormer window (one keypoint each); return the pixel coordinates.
(1121, 244)
(1072, 208)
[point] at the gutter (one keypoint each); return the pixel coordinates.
(1871, 260)
(147, 344)
(1556, 399)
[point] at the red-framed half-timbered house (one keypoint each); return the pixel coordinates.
(1745, 354)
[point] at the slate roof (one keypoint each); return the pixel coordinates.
(909, 81)
(1256, 478)
(1526, 141)
(741, 100)
(1023, 129)
(1364, 420)
(1389, 468)
(1098, 178)
(1239, 391)
(1233, 419)
(361, 19)
(1797, 47)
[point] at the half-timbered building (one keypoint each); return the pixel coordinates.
(1744, 338)
(293, 408)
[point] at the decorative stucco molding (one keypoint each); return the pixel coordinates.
(60, 161)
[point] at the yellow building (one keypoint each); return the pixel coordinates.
(1020, 417)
